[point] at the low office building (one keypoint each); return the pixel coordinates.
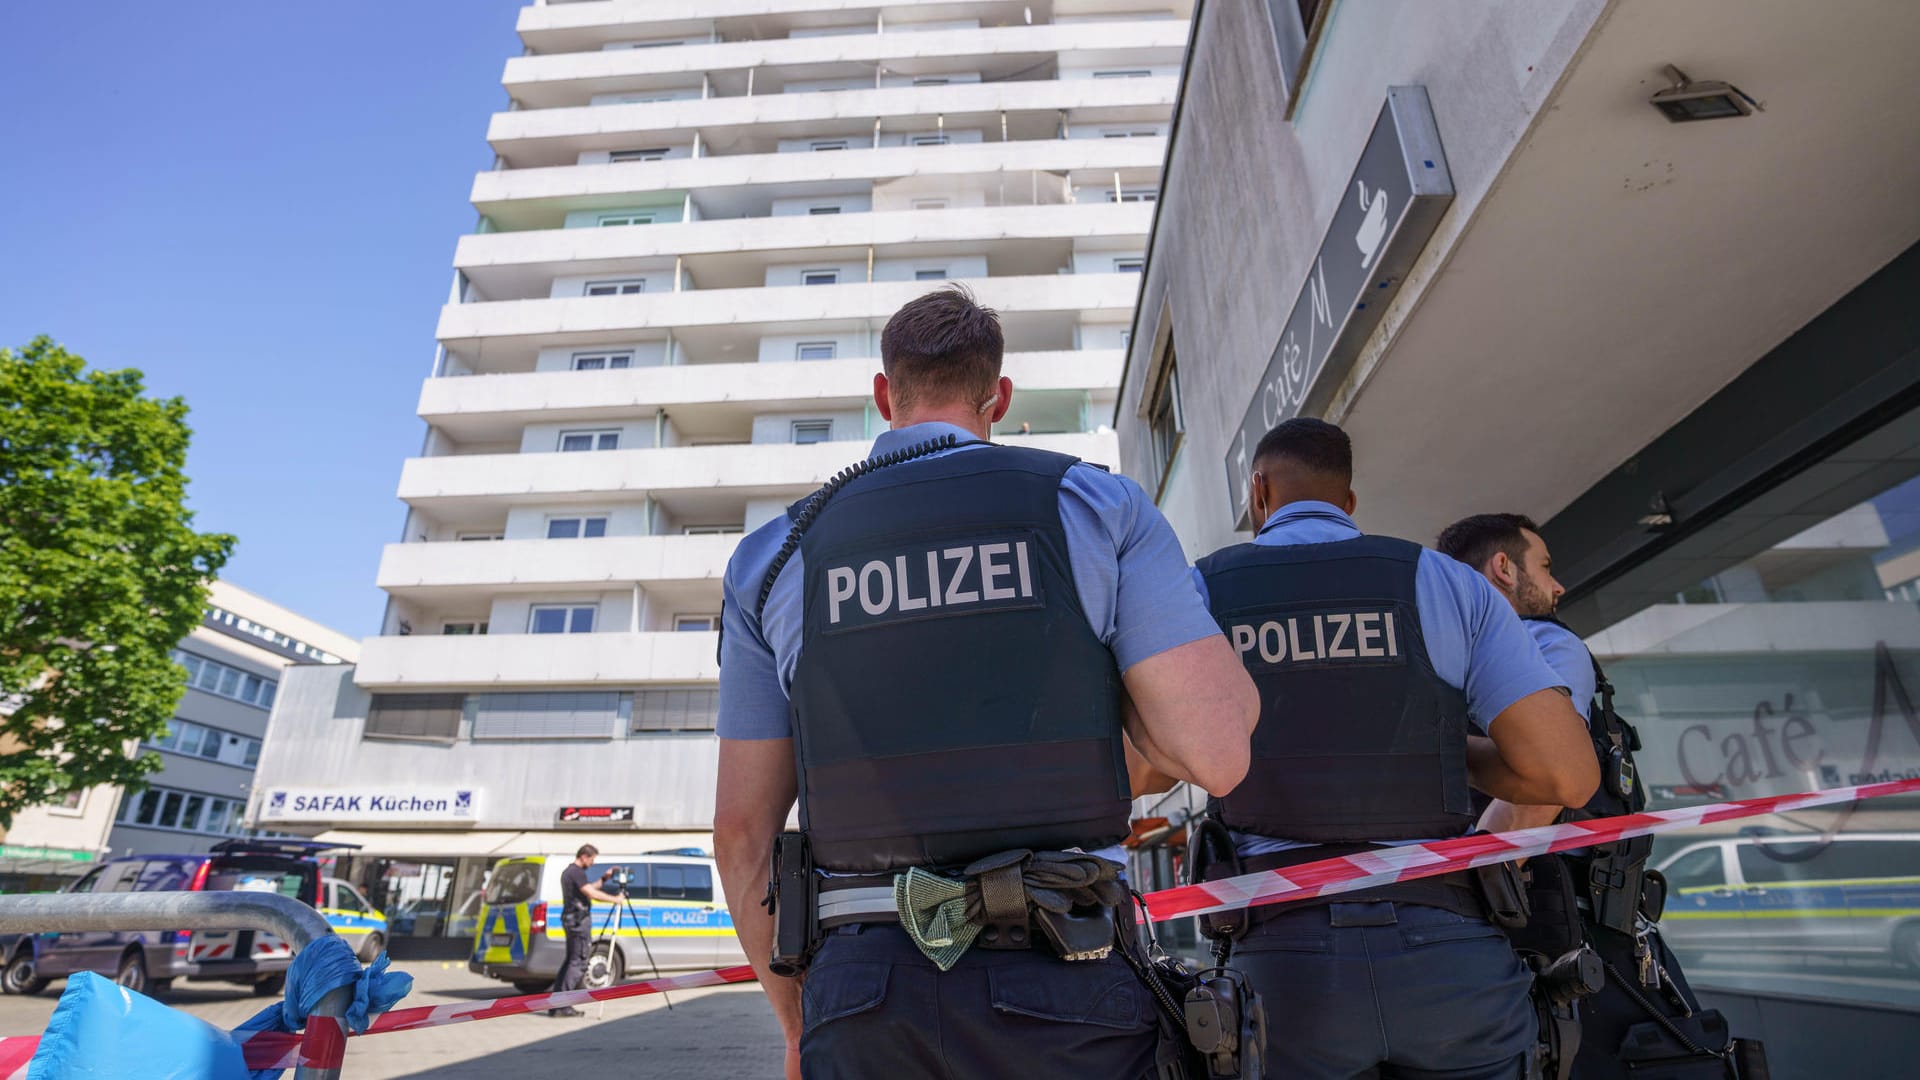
(234, 662)
(1645, 272)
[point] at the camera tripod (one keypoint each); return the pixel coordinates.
(610, 932)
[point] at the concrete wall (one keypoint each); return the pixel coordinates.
(1220, 300)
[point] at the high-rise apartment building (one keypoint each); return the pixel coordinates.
(664, 331)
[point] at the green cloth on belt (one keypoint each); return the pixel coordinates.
(944, 916)
(934, 911)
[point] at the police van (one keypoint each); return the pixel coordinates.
(675, 919)
(354, 919)
(1855, 895)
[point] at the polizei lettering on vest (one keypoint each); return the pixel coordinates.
(1322, 636)
(931, 581)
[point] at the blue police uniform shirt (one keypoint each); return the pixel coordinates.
(1475, 642)
(1567, 655)
(1127, 566)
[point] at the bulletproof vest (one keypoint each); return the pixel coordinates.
(1358, 739)
(950, 700)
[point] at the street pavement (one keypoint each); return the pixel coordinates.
(712, 1033)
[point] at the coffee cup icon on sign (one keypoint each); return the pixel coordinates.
(1373, 227)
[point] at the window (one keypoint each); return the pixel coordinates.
(252, 755)
(928, 140)
(822, 211)
(932, 80)
(463, 627)
(72, 800)
(227, 682)
(561, 619)
(1293, 22)
(819, 277)
(1130, 133)
(713, 530)
(683, 709)
(547, 715)
(653, 153)
(1165, 424)
(692, 624)
(812, 431)
(827, 144)
(930, 275)
(626, 218)
(616, 288)
(1126, 339)
(470, 536)
(576, 528)
(415, 716)
(1129, 266)
(1131, 73)
(931, 204)
(1126, 195)
(577, 441)
(602, 361)
(681, 881)
(816, 350)
(169, 817)
(223, 617)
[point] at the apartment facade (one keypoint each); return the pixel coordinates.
(1482, 243)
(662, 333)
(235, 661)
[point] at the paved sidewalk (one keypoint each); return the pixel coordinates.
(713, 1033)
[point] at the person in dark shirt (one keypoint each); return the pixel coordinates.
(577, 895)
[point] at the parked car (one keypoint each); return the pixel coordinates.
(1856, 895)
(353, 918)
(149, 961)
(677, 919)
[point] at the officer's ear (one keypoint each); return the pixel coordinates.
(1003, 401)
(1352, 503)
(1504, 572)
(882, 398)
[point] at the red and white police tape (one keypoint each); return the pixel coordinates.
(1347, 873)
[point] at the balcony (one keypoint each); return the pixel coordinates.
(519, 328)
(566, 79)
(557, 136)
(723, 253)
(428, 662)
(462, 485)
(437, 573)
(494, 408)
(539, 198)
(579, 26)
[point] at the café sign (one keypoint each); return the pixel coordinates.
(1388, 211)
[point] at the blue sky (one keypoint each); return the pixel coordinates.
(256, 205)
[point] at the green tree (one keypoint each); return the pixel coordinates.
(101, 573)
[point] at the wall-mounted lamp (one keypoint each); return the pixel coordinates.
(1687, 100)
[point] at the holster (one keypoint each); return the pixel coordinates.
(793, 901)
(1503, 887)
(1210, 857)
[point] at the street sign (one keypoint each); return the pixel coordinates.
(1388, 211)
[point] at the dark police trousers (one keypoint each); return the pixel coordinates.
(875, 1008)
(1386, 990)
(573, 970)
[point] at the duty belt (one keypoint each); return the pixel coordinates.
(1004, 901)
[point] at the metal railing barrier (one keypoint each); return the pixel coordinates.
(286, 918)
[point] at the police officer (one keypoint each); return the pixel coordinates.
(1373, 656)
(935, 652)
(1643, 981)
(577, 895)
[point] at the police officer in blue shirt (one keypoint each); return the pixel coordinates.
(1373, 657)
(1644, 995)
(938, 653)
